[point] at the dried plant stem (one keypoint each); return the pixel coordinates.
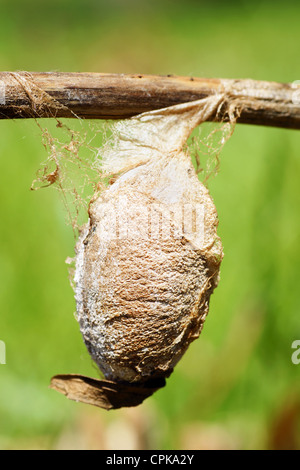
(118, 96)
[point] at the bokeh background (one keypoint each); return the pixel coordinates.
(236, 387)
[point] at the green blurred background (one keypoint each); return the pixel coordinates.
(236, 387)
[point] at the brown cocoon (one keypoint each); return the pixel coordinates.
(148, 260)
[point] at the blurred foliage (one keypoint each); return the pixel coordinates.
(236, 387)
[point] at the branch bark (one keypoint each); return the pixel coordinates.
(119, 96)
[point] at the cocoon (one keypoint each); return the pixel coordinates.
(148, 260)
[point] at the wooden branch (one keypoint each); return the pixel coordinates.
(118, 96)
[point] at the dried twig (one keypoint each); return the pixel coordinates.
(103, 393)
(117, 96)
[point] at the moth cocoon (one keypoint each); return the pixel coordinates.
(148, 260)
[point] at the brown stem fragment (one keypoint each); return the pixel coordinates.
(119, 96)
